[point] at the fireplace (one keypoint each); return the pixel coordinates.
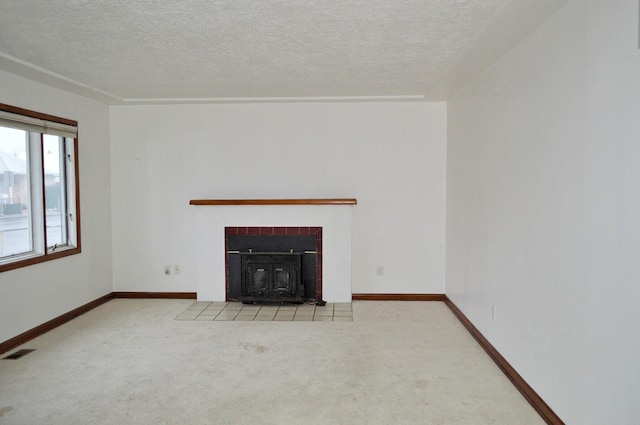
(218, 219)
(273, 264)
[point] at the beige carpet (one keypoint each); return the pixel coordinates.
(130, 362)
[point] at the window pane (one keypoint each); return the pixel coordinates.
(15, 214)
(54, 190)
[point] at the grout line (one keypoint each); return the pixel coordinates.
(325, 313)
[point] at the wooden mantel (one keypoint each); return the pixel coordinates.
(321, 201)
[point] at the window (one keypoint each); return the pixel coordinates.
(39, 201)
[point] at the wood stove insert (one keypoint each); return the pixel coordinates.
(271, 276)
(274, 264)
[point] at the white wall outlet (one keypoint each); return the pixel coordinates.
(176, 269)
(380, 270)
(167, 270)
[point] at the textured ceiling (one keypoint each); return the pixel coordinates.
(208, 50)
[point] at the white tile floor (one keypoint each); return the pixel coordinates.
(235, 311)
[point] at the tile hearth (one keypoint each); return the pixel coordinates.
(235, 311)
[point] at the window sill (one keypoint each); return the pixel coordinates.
(31, 259)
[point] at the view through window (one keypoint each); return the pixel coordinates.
(16, 220)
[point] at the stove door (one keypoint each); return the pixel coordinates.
(271, 276)
(257, 280)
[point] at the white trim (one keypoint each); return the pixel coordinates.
(26, 69)
(36, 206)
(311, 99)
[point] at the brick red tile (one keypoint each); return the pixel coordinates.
(253, 231)
(304, 231)
(242, 231)
(267, 231)
(279, 231)
(231, 231)
(293, 231)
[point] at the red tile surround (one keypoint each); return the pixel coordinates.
(276, 231)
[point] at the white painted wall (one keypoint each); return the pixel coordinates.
(33, 295)
(390, 156)
(543, 209)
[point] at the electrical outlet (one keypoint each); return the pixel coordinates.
(167, 270)
(380, 270)
(176, 269)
